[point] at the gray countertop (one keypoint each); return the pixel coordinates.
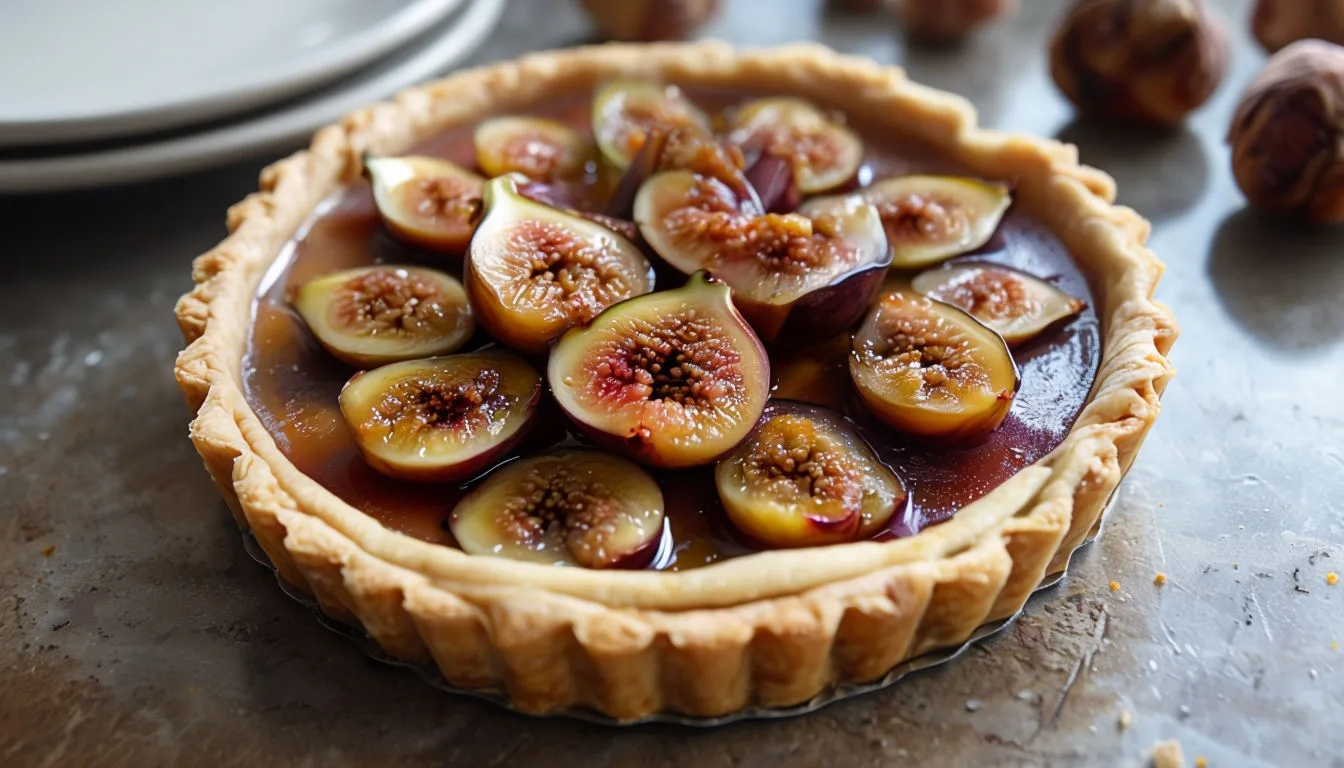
(135, 630)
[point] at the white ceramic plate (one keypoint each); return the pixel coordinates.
(73, 70)
(277, 130)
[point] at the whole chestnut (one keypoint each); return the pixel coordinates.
(1144, 61)
(1287, 135)
(857, 6)
(946, 20)
(649, 20)
(1276, 23)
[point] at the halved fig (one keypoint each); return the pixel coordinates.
(795, 278)
(825, 154)
(677, 378)
(626, 112)
(806, 478)
(932, 371)
(577, 507)
(542, 150)
(534, 271)
(426, 201)
(1015, 304)
(688, 148)
(441, 418)
(372, 316)
(929, 218)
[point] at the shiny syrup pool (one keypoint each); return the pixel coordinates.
(292, 383)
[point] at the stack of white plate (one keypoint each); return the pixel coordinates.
(100, 93)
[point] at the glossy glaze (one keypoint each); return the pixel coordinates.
(292, 383)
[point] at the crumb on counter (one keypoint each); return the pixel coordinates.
(1167, 754)
(1115, 586)
(1200, 762)
(1334, 645)
(1332, 578)
(50, 550)
(1160, 579)
(1235, 565)
(1125, 719)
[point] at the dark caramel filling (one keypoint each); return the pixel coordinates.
(292, 383)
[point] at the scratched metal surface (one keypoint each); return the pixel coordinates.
(136, 630)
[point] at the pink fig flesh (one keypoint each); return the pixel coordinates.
(674, 378)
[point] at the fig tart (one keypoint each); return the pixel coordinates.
(673, 378)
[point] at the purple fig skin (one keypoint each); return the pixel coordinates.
(772, 178)
(901, 525)
(547, 193)
(556, 197)
(833, 531)
(832, 310)
(623, 227)
(642, 166)
(642, 556)
(467, 469)
(846, 527)
(814, 305)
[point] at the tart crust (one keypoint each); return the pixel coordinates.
(769, 629)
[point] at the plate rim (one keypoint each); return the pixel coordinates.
(398, 28)
(279, 128)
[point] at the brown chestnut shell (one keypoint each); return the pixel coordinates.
(1143, 61)
(941, 21)
(647, 21)
(1287, 135)
(1280, 23)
